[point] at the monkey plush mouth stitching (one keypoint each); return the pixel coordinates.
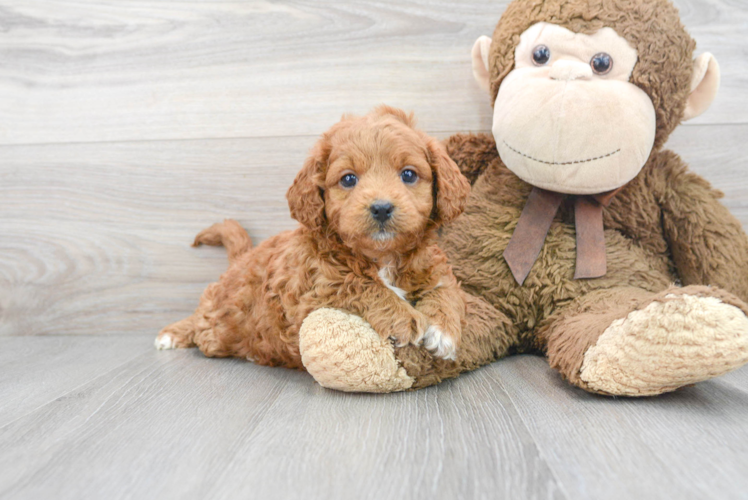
(564, 162)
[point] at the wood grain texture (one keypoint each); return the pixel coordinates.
(737, 379)
(451, 441)
(95, 237)
(80, 71)
(37, 370)
(178, 425)
(89, 223)
(690, 444)
(173, 424)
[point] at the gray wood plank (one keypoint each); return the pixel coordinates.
(690, 444)
(154, 184)
(456, 440)
(115, 435)
(107, 71)
(36, 370)
(88, 224)
(95, 237)
(177, 425)
(717, 153)
(737, 379)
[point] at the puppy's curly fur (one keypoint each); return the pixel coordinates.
(385, 268)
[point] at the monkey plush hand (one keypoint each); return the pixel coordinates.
(583, 238)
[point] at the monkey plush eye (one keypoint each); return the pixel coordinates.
(348, 180)
(409, 176)
(541, 55)
(601, 63)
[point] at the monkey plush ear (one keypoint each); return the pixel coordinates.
(480, 61)
(704, 85)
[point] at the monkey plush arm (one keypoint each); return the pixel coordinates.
(707, 242)
(472, 153)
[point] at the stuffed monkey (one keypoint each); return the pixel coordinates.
(583, 238)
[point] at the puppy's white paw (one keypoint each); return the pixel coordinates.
(165, 341)
(439, 343)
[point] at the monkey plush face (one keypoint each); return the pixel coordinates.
(567, 112)
(579, 107)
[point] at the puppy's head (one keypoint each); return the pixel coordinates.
(379, 183)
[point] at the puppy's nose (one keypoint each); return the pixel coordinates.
(381, 210)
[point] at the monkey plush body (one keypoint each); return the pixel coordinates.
(583, 238)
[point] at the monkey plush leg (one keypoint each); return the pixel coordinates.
(629, 342)
(341, 351)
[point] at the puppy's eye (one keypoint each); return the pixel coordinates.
(541, 55)
(348, 181)
(409, 176)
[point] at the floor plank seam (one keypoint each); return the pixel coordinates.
(85, 335)
(55, 398)
(144, 336)
(207, 139)
(149, 370)
(260, 420)
(290, 136)
(542, 455)
(733, 385)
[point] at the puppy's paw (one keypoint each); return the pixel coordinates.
(165, 341)
(440, 343)
(410, 330)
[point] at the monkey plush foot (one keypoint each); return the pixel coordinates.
(672, 342)
(341, 351)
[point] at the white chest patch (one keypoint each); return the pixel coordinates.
(385, 274)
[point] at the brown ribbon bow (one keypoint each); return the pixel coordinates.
(533, 225)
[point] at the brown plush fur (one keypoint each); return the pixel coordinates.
(334, 259)
(666, 226)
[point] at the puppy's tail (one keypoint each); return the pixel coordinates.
(227, 233)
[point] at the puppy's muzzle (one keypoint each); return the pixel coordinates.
(381, 211)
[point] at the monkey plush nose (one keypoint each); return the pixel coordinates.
(570, 70)
(381, 211)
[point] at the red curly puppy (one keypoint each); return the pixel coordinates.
(369, 200)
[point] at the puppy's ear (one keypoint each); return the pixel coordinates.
(451, 188)
(306, 194)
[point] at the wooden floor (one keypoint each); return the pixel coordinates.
(127, 127)
(109, 417)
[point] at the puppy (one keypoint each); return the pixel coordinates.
(369, 199)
